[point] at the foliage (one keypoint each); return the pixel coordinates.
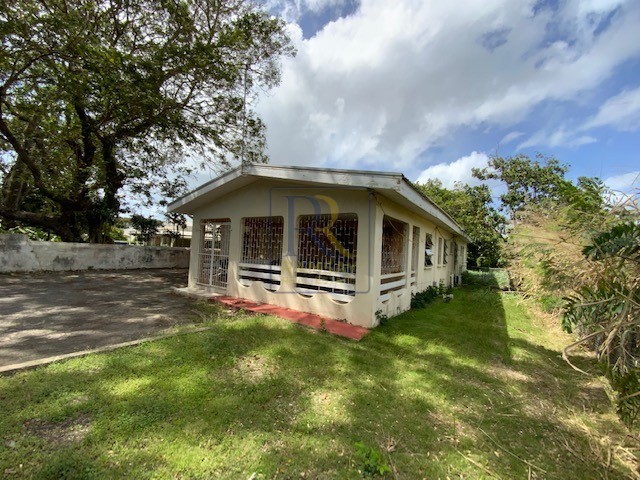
(585, 202)
(32, 233)
(621, 242)
(425, 297)
(102, 98)
(381, 317)
(606, 311)
(370, 461)
(472, 208)
(569, 242)
(145, 227)
(117, 233)
(527, 181)
(178, 224)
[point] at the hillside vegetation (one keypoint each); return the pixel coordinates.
(574, 246)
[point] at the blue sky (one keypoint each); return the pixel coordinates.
(433, 88)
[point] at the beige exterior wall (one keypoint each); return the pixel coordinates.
(269, 198)
(400, 300)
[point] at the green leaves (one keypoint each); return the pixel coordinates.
(472, 208)
(528, 181)
(370, 461)
(606, 311)
(96, 97)
(622, 241)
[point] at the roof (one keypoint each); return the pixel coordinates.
(392, 185)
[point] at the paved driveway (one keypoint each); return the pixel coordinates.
(47, 314)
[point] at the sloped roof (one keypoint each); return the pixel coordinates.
(394, 186)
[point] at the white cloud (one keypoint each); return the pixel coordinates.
(457, 171)
(624, 182)
(510, 137)
(558, 138)
(383, 86)
(292, 10)
(621, 112)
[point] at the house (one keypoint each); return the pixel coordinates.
(173, 235)
(345, 244)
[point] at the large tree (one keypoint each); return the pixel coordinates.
(528, 181)
(98, 97)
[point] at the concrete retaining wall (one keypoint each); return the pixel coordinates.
(19, 254)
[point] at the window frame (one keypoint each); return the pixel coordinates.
(429, 257)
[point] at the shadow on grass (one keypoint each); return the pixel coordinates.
(440, 392)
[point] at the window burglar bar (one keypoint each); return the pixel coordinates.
(262, 251)
(393, 246)
(414, 254)
(393, 257)
(327, 247)
(214, 253)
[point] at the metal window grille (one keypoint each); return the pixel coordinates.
(214, 253)
(445, 253)
(327, 251)
(415, 245)
(456, 256)
(392, 276)
(428, 251)
(262, 251)
(440, 250)
(393, 246)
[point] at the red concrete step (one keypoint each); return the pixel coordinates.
(317, 322)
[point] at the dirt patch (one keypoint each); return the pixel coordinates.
(508, 374)
(253, 367)
(69, 431)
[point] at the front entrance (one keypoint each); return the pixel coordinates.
(213, 258)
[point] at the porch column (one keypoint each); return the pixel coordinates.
(369, 263)
(194, 252)
(289, 258)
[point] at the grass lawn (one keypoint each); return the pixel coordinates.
(473, 388)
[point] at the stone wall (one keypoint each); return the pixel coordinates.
(19, 254)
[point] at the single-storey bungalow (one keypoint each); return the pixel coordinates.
(345, 244)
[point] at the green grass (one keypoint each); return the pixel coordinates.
(473, 388)
(494, 277)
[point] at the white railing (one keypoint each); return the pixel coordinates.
(340, 286)
(269, 275)
(391, 282)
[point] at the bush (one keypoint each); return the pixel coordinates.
(425, 297)
(370, 461)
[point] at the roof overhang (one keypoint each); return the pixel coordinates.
(394, 186)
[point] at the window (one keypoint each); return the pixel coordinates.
(262, 240)
(327, 250)
(428, 251)
(415, 250)
(261, 251)
(393, 245)
(445, 252)
(394, 253)
(440, 250)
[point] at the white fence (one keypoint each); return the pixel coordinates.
(19, 254)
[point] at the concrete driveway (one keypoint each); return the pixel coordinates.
(56, 313)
